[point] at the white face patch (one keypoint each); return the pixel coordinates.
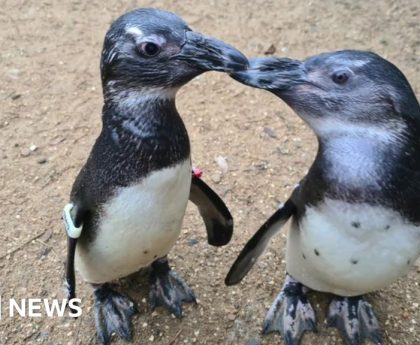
(359, 63)
(135, 31)
(339, 59)
(139, 36)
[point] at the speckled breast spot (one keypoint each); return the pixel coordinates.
(351, 249)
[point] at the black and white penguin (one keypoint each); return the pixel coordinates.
(129, 199)
(355, 215)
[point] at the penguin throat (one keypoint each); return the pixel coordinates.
(326, 129)
(156, 119)
(357, 162)
(132, 98)
(145, 123)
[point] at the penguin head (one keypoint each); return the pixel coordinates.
(338, 91)
(151, 50)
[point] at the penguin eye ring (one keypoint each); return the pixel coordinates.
(340, 77)
(149, 49)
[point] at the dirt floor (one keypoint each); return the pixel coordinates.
(50, 115)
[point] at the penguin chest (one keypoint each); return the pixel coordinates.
(138, 225)
(351, 249)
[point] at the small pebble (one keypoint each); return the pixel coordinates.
(270, 132)
(216, 178)
(25, 153)
(270, 50)
(222, 163)
(192, 242)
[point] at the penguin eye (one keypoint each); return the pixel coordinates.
(149, 49)
(340, 77)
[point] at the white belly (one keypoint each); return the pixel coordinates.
(349, 249)
(140, 224)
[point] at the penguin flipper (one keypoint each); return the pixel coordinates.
(77, 215)
(216, 216)
(256, 245)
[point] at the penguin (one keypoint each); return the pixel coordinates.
(355, 221)
(128, 202)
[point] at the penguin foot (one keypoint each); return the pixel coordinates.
(168, 289)
(355, 320)
(113, 314)
(291, 314)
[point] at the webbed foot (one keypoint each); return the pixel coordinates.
(291, 314)
(113, 314)
(168, 289)
(355, 320)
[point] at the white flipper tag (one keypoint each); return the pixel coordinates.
(71, 229)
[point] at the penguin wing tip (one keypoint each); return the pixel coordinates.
(232, 278)
(220, 233)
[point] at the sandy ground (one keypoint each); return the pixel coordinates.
(50, 114)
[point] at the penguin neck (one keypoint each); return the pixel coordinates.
(145, 123)
(355, 156)
(376, 168)
(131, 100)
(142, 112)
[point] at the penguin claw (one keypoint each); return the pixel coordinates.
(355, 320)
(291, 314)
(113, 314)
(169, 290)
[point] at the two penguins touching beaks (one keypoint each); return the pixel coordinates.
(355, 221)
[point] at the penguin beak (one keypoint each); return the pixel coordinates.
(273, 74)
(210, 54)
